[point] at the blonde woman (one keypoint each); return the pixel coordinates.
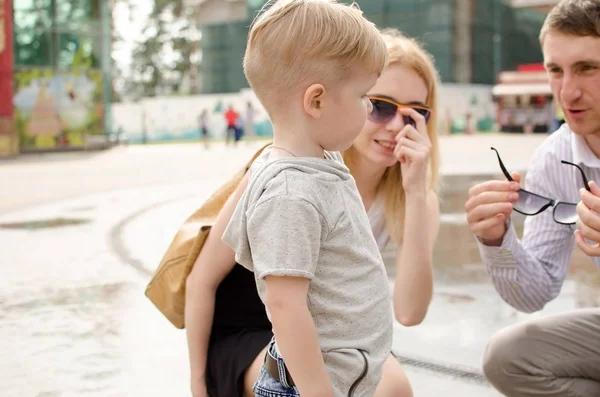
(395, 164)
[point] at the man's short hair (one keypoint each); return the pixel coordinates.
(573, 17)
(295, 43)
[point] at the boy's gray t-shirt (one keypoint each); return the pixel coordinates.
(304, 217)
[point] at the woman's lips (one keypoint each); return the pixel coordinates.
(386, 144)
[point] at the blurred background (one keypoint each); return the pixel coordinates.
(80, 73)
(103, 155)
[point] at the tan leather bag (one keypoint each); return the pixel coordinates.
(166, 288)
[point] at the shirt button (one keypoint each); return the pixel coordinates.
(504, 251)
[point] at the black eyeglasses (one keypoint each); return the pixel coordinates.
(530, 203)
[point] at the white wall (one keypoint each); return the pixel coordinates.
(177, 117)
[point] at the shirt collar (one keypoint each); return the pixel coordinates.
(582, 154)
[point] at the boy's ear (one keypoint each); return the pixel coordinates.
(314, 98)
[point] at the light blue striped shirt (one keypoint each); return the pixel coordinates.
(530, 272)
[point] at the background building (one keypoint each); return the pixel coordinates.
(522, 93)
(60, 72)
(540, 5)
(471, 40)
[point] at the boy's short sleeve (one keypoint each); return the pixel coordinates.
(285, 234)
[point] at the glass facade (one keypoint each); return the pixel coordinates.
(223, 48)
(503, 38)
(62, 72)
(430, 21)
(499, 38)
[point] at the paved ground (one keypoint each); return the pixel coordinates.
(80, 234)
(34, 179)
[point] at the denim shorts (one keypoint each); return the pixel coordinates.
(267, 386)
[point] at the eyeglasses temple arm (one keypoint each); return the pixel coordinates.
(585, 180)
(502, 167)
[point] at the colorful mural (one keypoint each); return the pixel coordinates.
(57, 109)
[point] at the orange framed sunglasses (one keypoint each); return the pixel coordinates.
(384, 110)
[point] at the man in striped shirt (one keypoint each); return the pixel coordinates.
(556, 355)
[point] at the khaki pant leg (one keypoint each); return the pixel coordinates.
(554, 356)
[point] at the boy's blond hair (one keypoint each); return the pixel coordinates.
(409, 53)
(295, 43)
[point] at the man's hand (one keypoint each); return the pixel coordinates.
(588, 222)
(489, 206)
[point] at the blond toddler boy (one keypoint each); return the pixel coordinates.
(301, 226)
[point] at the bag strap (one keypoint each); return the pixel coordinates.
(215, 203)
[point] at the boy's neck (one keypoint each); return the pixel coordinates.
(296, 141)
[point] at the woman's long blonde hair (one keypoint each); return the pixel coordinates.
(409, 53)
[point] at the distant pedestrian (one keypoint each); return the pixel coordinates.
(239, 129)
(203, 126)
(231, 117)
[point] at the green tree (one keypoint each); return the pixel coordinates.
(58, 33)
(164, 57)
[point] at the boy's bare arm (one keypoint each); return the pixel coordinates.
(212, 265)
(294, 329)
